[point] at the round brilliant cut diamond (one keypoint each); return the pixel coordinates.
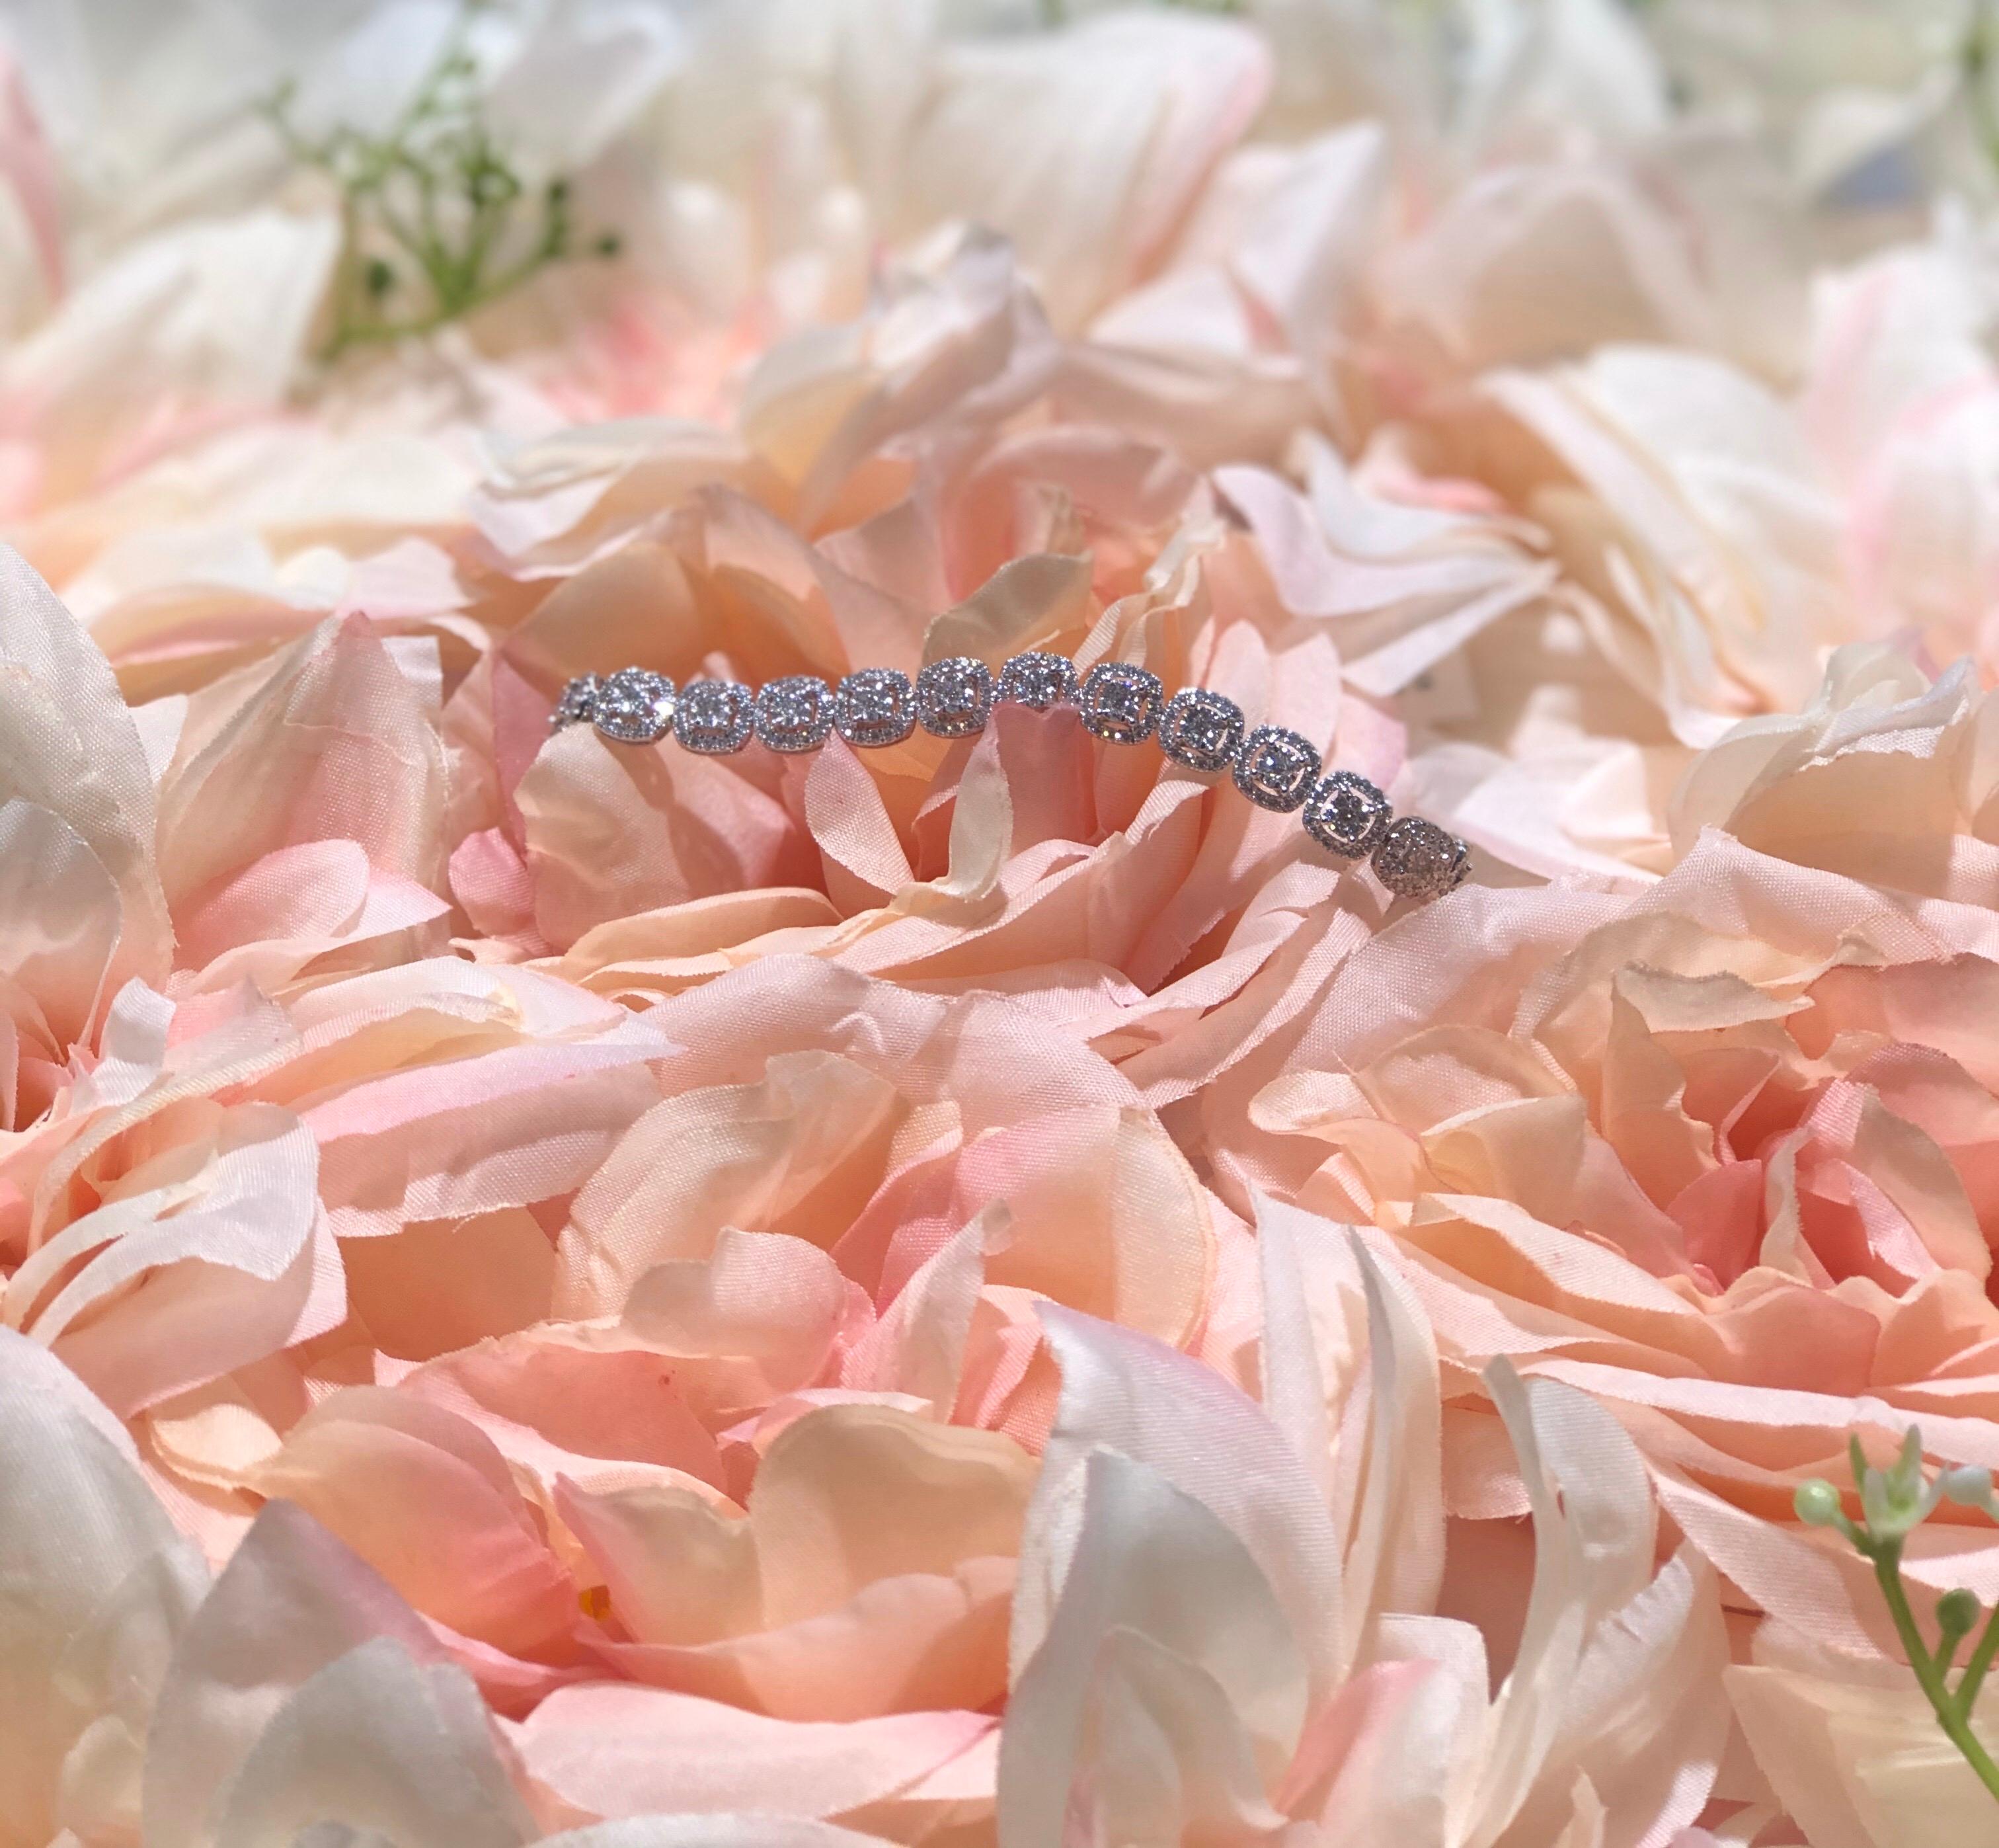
(1276, 769)
(954, 696)
(633, 706)
(714, 717)
(1120, 703)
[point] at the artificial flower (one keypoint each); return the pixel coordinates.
(986, 1291)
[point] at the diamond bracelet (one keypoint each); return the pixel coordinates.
(1122, 704)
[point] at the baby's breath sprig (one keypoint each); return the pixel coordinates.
(1894, 1502)
(1975, 61)
(435, 220)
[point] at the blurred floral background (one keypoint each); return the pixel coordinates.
(982, 1292)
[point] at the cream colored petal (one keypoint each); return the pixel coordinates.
(292, 1601)
(100, 1585)
(375, 1743)
(68, 745)
(1129, 1393)
(1167, 1653)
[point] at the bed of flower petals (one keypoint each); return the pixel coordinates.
(982, 1291)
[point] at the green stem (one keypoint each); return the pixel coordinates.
(347, 278)
(385, 333)
(429, 257)
(1978, 1662)
(382, 333)
(1952, 1711)
(1975, 62)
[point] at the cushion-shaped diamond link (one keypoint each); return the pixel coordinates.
(633, 706)
(1276, 769)
(875, 706)
(794, 713)
(1037, 679)
(1120, 703)
(714, 717)
(1201, 730)
(954, 696)
(1417, 859)
(1347, 815)
(577, 702)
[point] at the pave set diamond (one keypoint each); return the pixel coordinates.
(794, 713)
(1122, 704)
(874, 706)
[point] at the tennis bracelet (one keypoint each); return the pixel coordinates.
(1277, 769)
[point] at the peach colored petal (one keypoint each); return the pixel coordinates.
(426, 1499)
(619, 1750)
(837, 1099)
(518, 1115)
(760, 1316)
(869, 1576)
(920, 1345)
(555, 1405)
(335, 743)
(438, 1285)
(278, 915)
(637, 960)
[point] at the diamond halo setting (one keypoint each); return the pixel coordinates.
(1276, 769)
(875, 706)
(1417, 859)
(1120, 703)
(1038, 680)
(1201, 730)
(633, 706)
(714, 717)
(1347, 815)
(794, 713)
(954, 696)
